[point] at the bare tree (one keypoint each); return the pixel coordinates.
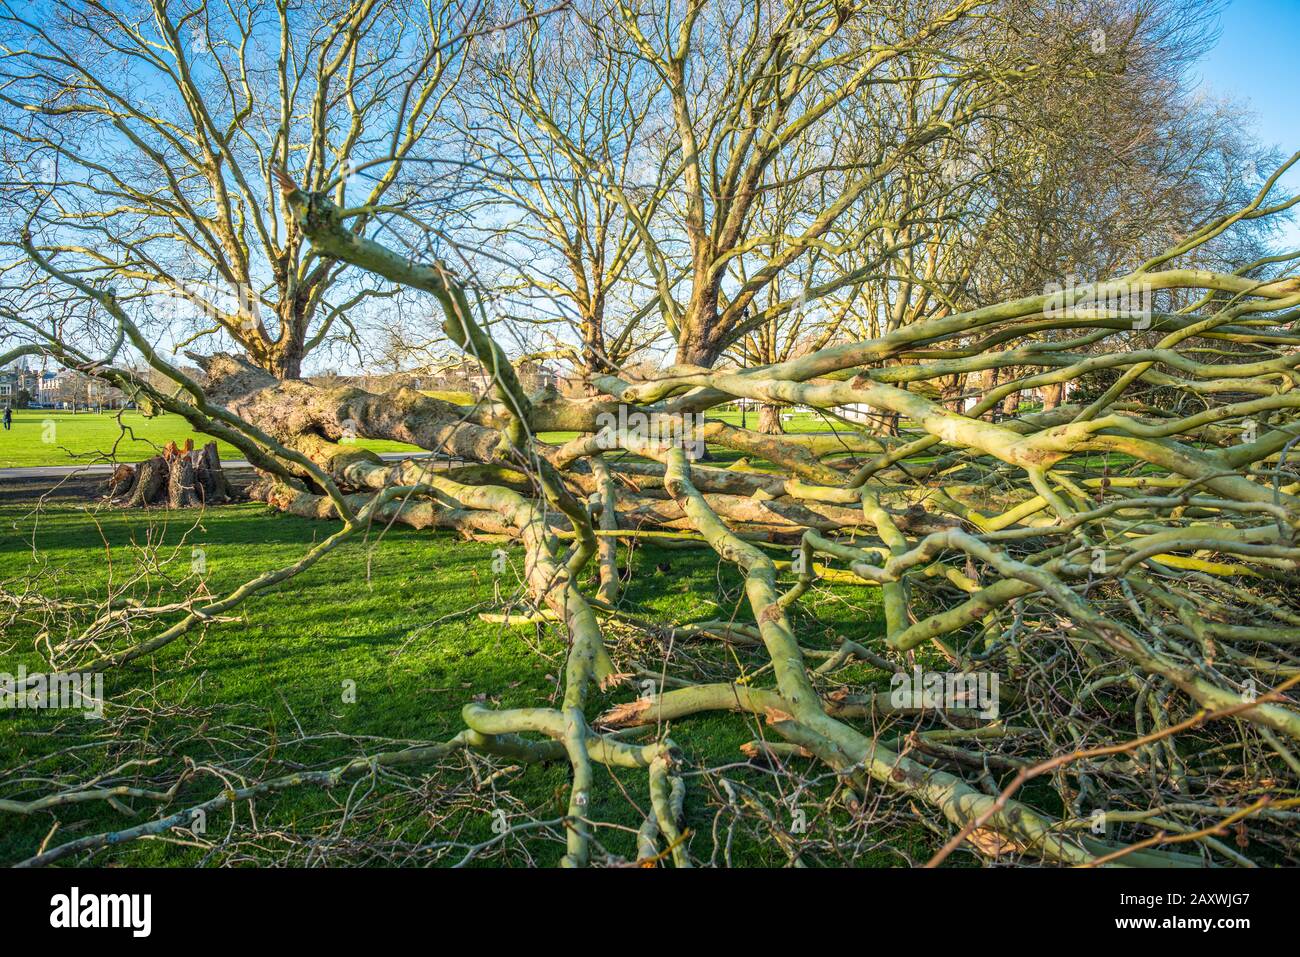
(568, 129)
(1122, 564)
(151, 131)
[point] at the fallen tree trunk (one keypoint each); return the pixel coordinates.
(1092, 580)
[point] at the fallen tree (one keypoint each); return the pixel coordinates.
(1120, 567)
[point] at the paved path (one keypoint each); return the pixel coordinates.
(62, 471)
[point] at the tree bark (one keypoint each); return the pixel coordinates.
(211, 478)
(150, 478)
(286, 359)
(951, 389)
(769, 420)
(180, 483)
(179, 478)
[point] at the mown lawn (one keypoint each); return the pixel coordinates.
(397, 615)
(42, 437)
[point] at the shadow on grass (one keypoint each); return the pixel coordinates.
(380, 640)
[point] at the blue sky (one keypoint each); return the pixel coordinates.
(1256, 63)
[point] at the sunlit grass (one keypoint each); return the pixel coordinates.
(43, 437)
(396, 614)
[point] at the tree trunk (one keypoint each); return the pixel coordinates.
(986, 382)
(286, 361)
(951, 389)
(180, 483)
(150, 478)
(701, 341)
(179, 478)
(769, 419)
(697, 353)
(210, 477)
(1052, 396)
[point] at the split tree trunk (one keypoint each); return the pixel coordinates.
(179, 478)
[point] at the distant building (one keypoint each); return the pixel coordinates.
(535, 375)
(68, 389)
(18, 386)
(47, 389)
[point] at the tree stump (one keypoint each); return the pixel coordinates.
(178, 478)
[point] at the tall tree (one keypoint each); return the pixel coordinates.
(566, 126)
(153, 130)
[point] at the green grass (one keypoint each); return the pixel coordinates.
(456, 398)
(44, 437)
(397, 616)
(797, 423)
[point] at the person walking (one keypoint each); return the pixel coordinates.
(9, 418)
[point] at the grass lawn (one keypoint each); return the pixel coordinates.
(796, 423)
(44, 437)
(261, 695)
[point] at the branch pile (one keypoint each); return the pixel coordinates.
(1121, 568)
